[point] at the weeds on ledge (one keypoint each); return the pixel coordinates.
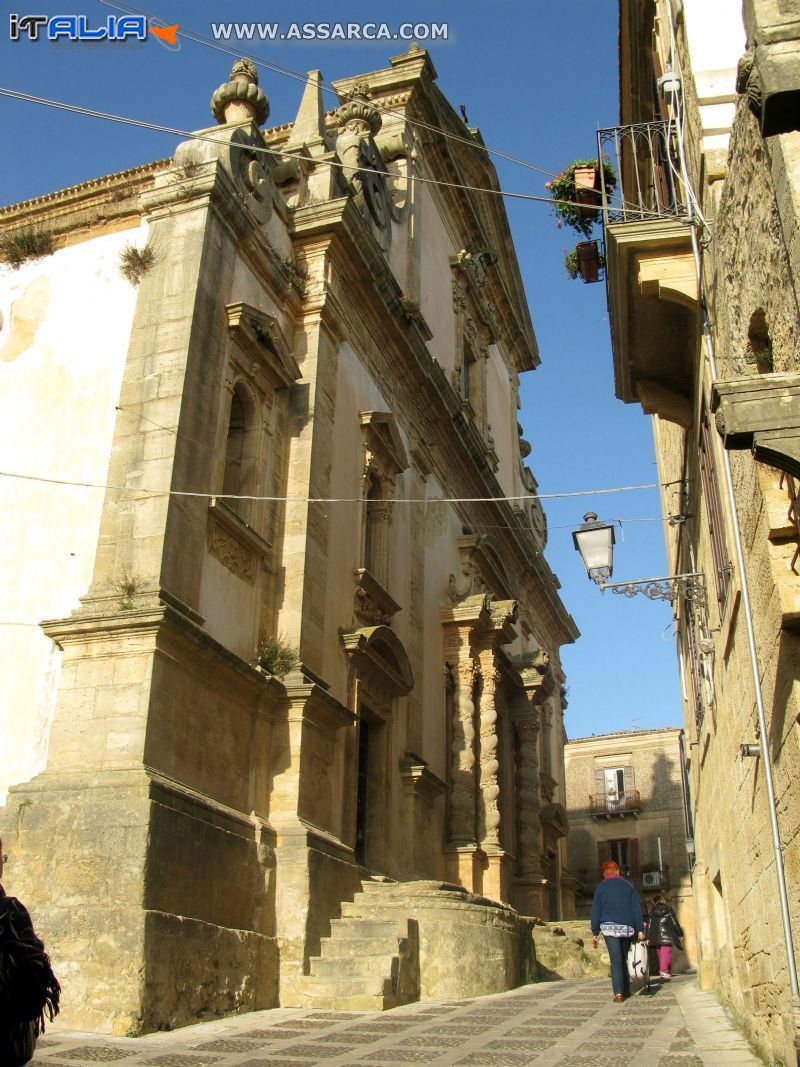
(276, 656)
(19, 246)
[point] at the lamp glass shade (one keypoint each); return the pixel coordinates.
(595, 542)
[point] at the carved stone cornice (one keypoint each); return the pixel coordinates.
(378, 652)
(382, 444)
(419, 780)
(473, 269)
(260, 337)
(761, 413)
(372, 605)
(481, 568)
(554, 818)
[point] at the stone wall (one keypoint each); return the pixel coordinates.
(742, 951)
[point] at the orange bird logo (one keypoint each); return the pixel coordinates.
(166, 33)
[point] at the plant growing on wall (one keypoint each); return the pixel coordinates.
(18, 246)
(127, 586)
(135, 262)
(576, 191)
(276, 656)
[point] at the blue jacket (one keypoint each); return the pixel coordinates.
(615, 901)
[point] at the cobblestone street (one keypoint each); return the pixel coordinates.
(572, 1023)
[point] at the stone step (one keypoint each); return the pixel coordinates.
(320, 1002)
(344, 945)
(354, 964)
(354, 926)
(333, 985)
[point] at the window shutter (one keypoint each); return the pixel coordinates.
(633, 856)
(599, 783)
(627, 775)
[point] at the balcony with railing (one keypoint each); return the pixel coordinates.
(617, 805)
(650, 269)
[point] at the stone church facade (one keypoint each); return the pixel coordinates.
(293, 422)
(704, 281)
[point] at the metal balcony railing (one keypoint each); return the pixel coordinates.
(618, 804)
(645, 157)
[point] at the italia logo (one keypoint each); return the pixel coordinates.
(79, 28)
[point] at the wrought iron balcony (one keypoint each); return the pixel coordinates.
(646, 159)
(607, 806)
(650, 270)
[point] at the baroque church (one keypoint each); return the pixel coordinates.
(281, 649)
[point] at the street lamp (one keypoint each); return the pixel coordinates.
(595, 542)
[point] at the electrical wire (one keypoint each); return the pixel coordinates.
(15, 94)
(333, 500)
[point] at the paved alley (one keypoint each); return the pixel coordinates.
(572, 1023)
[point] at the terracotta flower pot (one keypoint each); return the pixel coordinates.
(587, 195)
(588, 261)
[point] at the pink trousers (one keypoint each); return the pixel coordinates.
(664, 958)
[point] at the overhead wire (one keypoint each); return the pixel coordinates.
(16, 94)
(332, 500)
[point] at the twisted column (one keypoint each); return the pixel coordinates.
(489, 809)
(462, 754)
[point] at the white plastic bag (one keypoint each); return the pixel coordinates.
(637, 961)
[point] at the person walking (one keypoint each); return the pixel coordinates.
(664, 932)
(28, 987)
(617, 915)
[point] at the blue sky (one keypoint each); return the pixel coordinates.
(537, 79)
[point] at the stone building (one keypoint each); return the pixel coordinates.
(247, 390)
(703, 285)
(626, 801)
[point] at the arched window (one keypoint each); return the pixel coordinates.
(240, 458)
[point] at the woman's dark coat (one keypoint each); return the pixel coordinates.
(664, 926)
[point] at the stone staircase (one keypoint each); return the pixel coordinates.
(371, 960)
(398, 942)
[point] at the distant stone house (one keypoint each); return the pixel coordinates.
(281, 432)
(626, 802)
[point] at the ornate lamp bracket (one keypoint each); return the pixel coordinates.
(670, 588)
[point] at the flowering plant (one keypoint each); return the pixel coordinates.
(567, 207)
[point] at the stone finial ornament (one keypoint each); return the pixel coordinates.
(240, 99)
(357, 108)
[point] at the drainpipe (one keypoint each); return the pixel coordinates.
(748, 615)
